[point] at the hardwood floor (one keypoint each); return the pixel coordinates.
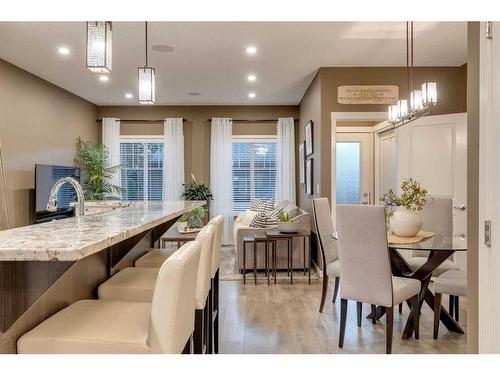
(284, 318)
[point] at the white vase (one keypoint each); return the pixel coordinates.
(405, 223)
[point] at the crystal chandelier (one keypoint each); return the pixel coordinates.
(99, 46)
(147, 94)
(421, 101)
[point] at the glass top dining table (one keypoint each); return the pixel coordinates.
(437, 242)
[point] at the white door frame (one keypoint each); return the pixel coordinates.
(346, 116)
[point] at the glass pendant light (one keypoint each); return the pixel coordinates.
(99, 46)
(402, 108)
(147, 89)
(416, 103)
(429, 93)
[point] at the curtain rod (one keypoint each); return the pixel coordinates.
(261, 120)
(148, 121)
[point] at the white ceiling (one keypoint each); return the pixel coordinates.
(209, 57)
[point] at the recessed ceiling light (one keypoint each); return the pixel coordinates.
(103, 78)
(162, 48)
(63, 50)
(251, 50)
(129, 95)
(251, 95)
(251, 77)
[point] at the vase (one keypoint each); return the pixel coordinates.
(195, 222)
(405, 223)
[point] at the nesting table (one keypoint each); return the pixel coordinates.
(173, 235)
(271, 237)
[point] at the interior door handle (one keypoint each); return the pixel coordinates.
(461, 207)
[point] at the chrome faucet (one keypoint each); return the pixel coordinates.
(79, 205)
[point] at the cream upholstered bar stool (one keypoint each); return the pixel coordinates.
(138, 283)
(218, 222)
(328, 246)
(453, 283)
(120, 327)
(366, 267)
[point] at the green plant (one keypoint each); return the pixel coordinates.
(284, 218)
(412, 197)
(197, 191)
(92, 159)
(198, 212)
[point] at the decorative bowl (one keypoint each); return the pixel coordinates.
(288, 227)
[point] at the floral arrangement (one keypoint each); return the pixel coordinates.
(412, 197)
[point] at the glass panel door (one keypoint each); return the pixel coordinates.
(348, 172)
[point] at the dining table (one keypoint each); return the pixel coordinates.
(440, 247)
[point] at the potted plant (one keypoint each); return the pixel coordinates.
(93, 161)
(401, 210)
(198, 191)
(285, 225)
(192, 219)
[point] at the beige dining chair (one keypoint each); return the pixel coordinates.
(163, 326)
(437, 217)
(366, 267)
(328, 246)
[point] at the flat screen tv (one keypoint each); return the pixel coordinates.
(45, 177)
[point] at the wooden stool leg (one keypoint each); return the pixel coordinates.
(199, 327)
(343, 318)
(336, 289)
(401, 308)
(437, 313)
(451, 308)
(374, 314)
(216, 322)
(457, 308)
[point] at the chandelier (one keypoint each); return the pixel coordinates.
(420, 101)
(99, 46)
(147, 94)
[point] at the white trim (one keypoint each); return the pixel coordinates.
(253, 139)
(140, 138)
(257, 138)
(355, 129)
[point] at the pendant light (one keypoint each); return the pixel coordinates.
(99, 46)
(146, 74)
(421, 101)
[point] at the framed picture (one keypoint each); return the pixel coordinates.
(309, 176)
(302, 158)
(309, 138)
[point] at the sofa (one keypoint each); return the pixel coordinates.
(241, 228)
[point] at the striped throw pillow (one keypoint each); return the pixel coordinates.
(264, 219)
(256, 205)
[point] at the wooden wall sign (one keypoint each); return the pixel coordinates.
(375, 94)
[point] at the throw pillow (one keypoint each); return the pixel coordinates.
(256, 205)
(264, 219)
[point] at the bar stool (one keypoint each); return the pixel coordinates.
(213, 346)
(137, 284)
(454, 283)
(163, 326)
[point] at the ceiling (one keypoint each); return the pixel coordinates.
(209, 57)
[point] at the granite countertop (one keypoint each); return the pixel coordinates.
(75, 238)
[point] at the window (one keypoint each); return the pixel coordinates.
(142, 169)
(348, 172)
(254, 171)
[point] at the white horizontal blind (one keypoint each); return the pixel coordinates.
(254, 173)
(142, 170)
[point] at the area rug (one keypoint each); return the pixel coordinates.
(229, 271)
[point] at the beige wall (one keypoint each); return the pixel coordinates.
(39, 124)
(452, 83)
(197, 128)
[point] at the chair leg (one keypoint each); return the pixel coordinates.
(336, 289)
(451, 307)
(374, 314)
(416, 316)
(457, 308)
(216, 322)
(343, 318)
(199, 320)
(400, 308)
(323, 291)
(210, 348)
(388, 329)
(188, 349)
(359, 310)
(437, 313)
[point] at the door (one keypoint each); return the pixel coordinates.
(433, 151)
(354, 168)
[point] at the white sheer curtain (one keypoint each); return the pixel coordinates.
(285, 158)
(221, 173)
(111, 139)
(173, 158)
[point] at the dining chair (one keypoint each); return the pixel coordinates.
(366, 268)
(437, 217)
(328, 246)
(453, 283)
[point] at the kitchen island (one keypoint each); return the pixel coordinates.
(46, 267)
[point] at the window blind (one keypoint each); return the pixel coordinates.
(142, 170)
(254, 173)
